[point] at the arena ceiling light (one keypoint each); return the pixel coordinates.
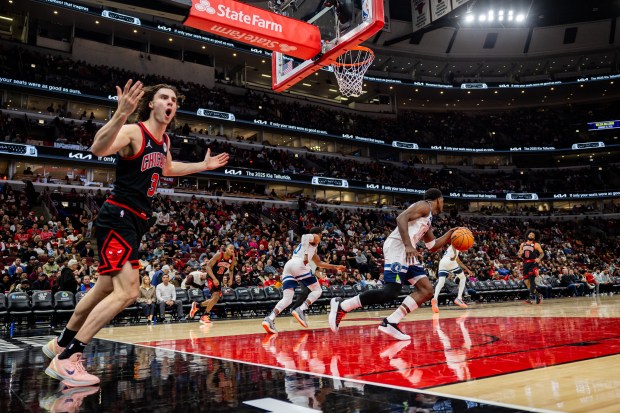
(492, 16)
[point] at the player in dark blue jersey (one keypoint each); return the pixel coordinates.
(143, 157)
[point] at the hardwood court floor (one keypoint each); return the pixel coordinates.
(558, 356)
(554, 356)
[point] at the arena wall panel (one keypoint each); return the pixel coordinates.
(104, 54)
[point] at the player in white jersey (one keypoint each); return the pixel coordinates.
(451, 265)
(196, 279)
(297, 270)
(401, 265)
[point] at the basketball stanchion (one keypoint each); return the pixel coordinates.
(350, 68)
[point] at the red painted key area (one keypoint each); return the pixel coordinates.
(442, 351)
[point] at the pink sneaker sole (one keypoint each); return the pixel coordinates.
(194, 310)
(52, 371)
(52, 349)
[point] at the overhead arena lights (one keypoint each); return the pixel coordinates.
(493, 16)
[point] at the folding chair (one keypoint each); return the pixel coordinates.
(43, 306)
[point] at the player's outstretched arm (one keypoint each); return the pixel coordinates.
(112, 137)
(463, 266)
(434, 244)
(541, 253)
(173, 168)
(322, 264)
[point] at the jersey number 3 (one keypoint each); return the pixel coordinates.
(154, 183)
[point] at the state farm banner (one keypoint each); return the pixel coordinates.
(256, 27)
(440, 8)
(421, 14)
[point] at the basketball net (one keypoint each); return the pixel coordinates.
(350, 68)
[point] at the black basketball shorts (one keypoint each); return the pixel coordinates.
(530, 269)
(119, 229)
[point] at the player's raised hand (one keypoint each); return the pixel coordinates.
(342, 268)
(214, 162)
(129, 97)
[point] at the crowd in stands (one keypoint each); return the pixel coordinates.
(608, 207)
(403, 174)
(555, 126)
(56, 252)
(529, 180)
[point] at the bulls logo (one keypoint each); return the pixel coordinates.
(115, 252)
(420, 7)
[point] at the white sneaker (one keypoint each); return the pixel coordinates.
(460, 303)
(392, 330)
(336, 314)
(391, 351)
(269, 325)
(299, 315)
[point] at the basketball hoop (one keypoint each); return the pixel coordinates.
(350, 68)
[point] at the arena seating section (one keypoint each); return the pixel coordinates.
(261, 232)
(578, 245)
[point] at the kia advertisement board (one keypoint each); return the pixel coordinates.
(256, 27)
(62, 155)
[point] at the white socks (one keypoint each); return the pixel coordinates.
(312, 297)
(351, 304)
(405, 308)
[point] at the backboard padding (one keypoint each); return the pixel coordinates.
(368, 19)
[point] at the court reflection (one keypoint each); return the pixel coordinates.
(446, 352)
(137, 378)
(455, 349)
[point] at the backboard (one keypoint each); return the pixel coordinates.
(343, 24)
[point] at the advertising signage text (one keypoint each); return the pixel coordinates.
(10, 150)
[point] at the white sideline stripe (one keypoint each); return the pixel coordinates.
(329, 376)
(278, 406)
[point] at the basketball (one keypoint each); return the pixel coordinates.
(462, 239)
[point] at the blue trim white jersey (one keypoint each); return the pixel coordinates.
(305, 248)
(448, 261)
(416, 228)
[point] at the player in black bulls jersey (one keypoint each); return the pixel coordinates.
(143, 157)
(532, 253)
(221, 264)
